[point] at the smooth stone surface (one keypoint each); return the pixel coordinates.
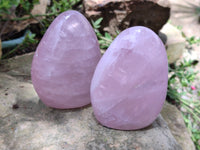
(64, 62)
(33, 126)
(18, 67)
(129, 85)
(176, 124)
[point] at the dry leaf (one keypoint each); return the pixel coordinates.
(40, 8)
(21, 25)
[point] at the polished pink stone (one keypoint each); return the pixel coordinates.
(64, 62)
(129, 85)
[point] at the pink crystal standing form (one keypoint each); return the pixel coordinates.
(64, 62)
(129, 85)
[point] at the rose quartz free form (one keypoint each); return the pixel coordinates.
(64, 62)
(129, 85)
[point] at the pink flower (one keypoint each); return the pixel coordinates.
(193, 87)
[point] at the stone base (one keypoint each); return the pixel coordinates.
(26, 123)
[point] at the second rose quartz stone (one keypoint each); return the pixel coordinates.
(129, 85)
(64, 62)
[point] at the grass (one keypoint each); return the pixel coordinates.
(104, 40)
(181, 91)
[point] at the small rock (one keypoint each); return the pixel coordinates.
(121, 14)
(175, 43)
(11, 93)
(175, 121)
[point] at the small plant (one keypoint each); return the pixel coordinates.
(25, 6)
(55, 9)
(193, 40)
(190, 40)
(20, 10)
(6, 5)
(61, 6)
(104, 40)
(181, 93)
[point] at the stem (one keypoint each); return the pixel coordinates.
(12, 51)
(30, 16)
(188, 105)
(189, 110)
(103, 38)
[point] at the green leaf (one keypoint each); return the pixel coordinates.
(107, 35)
(98, 21)
(5, 6)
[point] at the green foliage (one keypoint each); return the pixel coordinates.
(55, 9)
(24, 7)
(62, 5)
(96, 24)
(193, 40)
(104, 40)
(181, 78)
(7, 5)
(29, 39)
(27, 5)
(183, 72)
(179, 27)
(190, 40)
